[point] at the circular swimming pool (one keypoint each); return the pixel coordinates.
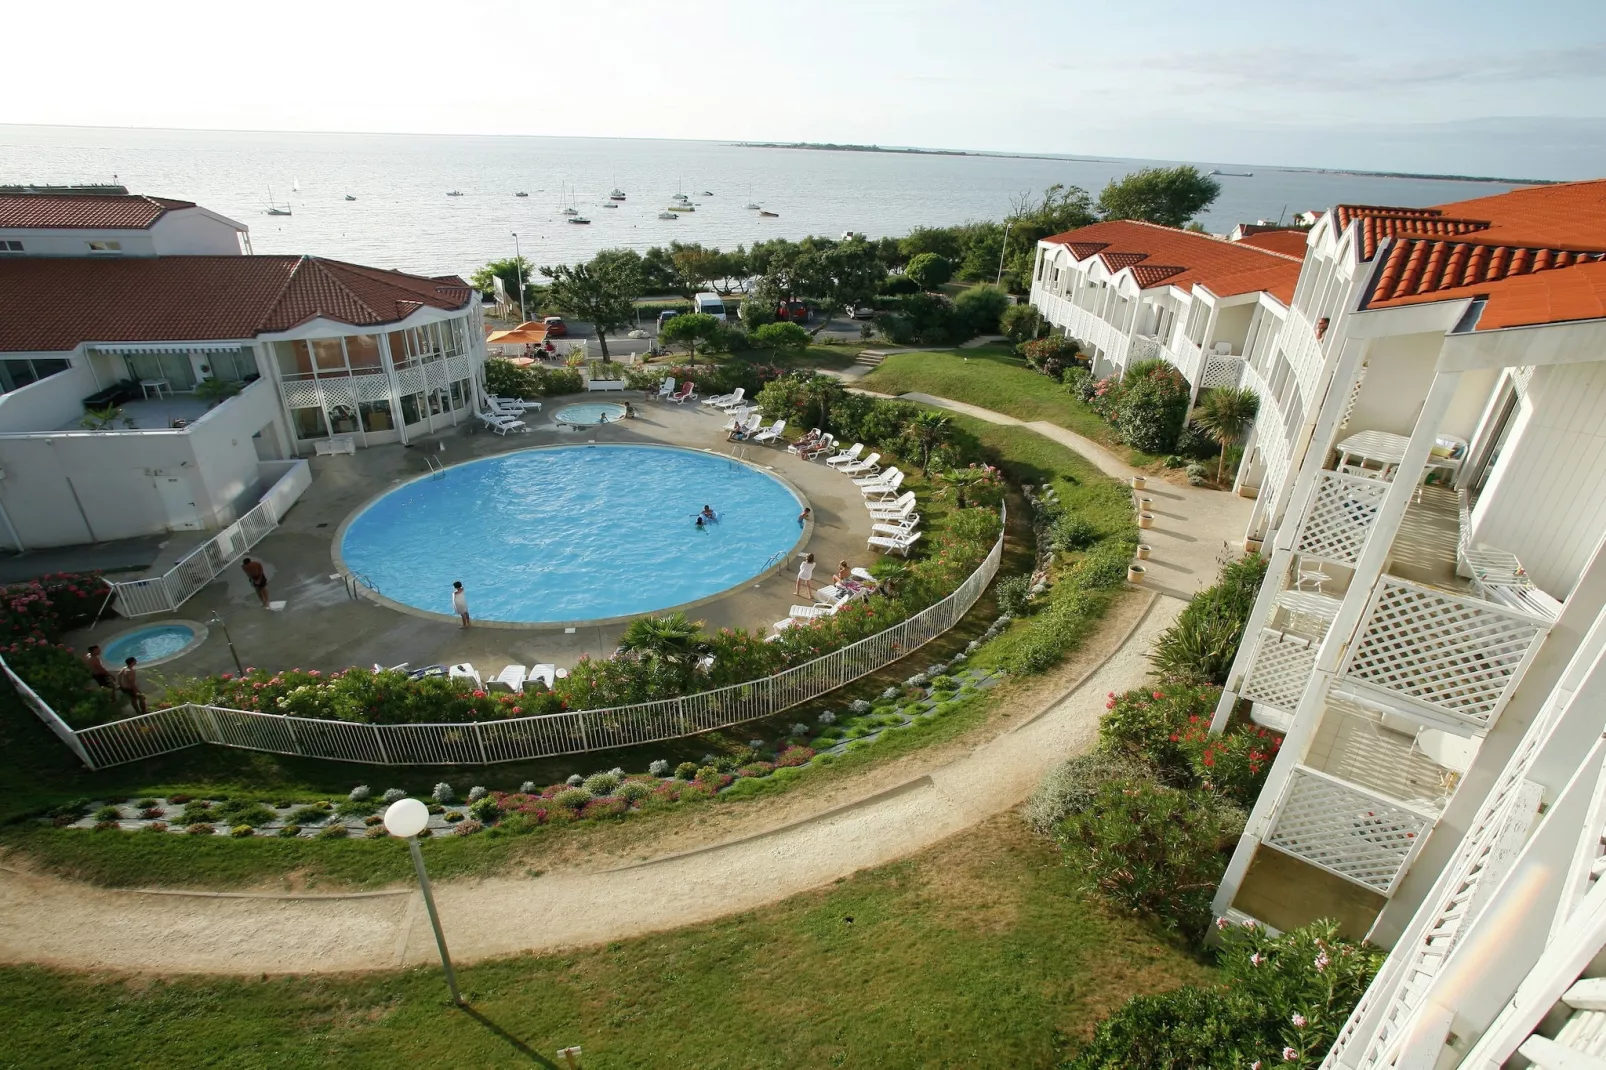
(590, 412)
(152, 643)
(573, 533)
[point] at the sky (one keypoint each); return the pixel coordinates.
(1488, 87)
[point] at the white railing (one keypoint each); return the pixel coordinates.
(1281, 667)
(165, 593)
(1443, 654)
(524, 738)
(1188, 358)
(1222, 371)
(40, 707)
(1350, 831)
(1340, 516)
(1271, 435)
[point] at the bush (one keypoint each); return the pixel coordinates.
(1073, 532)
(109, 813)
(467, 828)
(572, 799)
(199, 828)
(659, 768)
(633, 791)
(1194, 441)
(1021, 323)
(1080, 384)
(929, 270)
(600, 784)
(309, 815)
(485, 810)
(476, 793)
(240, 832)
(1152, 405)
(978, 309)
(392, 795)
(334, 832)
(1052, 355)
(1071, 788)
(359, 793)
(1153, 850)
(1185, 1029)
(443, 793)
(289, 832)
(1014, 595)
(686, 770)
(1201, 644)
(898, 285)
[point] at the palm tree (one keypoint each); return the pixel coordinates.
(671, 638)
(1225, 414)
(928, 430)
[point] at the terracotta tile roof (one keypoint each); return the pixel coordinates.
(51, 210)
(54, 303)
(1157, 254)
(1290, 242)
(1535, 254)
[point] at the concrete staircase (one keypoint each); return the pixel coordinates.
(870, 357)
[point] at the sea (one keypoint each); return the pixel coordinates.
(404, 217)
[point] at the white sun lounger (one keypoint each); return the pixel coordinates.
(502, 424)
(884, 491)
(465, 671)
(546, 674)
(772, 433)
(826, 444)
(869, 464)
(903, 528)
(731, 400)
(900, 543)
(512, 678)
(739, 416)
(666, 388)
(879, 477)
(895, 510)
(847, 456)
(513, 404)
(718, 399)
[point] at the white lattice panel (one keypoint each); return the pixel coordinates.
(338, 392)
(1346, 830)
(1520, 379)
(1146, 347)
(1222, 371)
(1341, 514)
(1279, 671)
(371, 387)
(1354, 396)
(410, 380)
(1459, 655)
(302, 395)
(458, 368)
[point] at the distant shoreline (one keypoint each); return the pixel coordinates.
(818, 146)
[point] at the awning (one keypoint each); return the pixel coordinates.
(166, 347)
(527, 333)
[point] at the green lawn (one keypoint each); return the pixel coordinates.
(978, 952)
(993, 378)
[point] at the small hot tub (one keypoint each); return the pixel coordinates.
(589, 414)
(153, 644)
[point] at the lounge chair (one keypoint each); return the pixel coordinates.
(897, 527)
(739, 416)
(720, 399)
(858, 468)
(826, 444)
(546, 674)
(665, 388)
(884, 491)
(879, 477)
(466, 671)
(800, 614)
(895, 510)
(847, 456)
(900, 543)
(798, 447)
(771, 433)
(515, 405)
(502, 424)
(687, 392)
(732, 400)
(512, 678)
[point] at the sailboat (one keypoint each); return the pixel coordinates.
(616, 194)
(521, 193)
(666, 214)
(276, 209)
(564, 207)
(349, 197)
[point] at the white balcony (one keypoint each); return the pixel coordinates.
(1355, 833)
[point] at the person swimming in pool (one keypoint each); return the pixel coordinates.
(699, 524)
(603, 418)
(708, 513)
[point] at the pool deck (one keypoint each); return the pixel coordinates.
(322, 627)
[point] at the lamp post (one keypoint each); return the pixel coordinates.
(518, 265)
(406, 818)
(229, 639)
(1003, 247)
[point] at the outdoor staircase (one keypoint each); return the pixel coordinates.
(870, 357)
(1580, 1044)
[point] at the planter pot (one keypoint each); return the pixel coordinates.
(1146, 505)
(1145, 520)
(1134, 573)
(1139, 482)
(1248, 492)
(1144, 551)
(1251, 546)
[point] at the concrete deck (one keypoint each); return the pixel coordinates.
(323, 627)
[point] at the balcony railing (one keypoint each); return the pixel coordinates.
(1359, 835)
(1279, 670)
(1342, 512)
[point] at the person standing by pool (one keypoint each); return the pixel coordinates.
(460, 601)
(97, 668)
(805, 576)
(259, 579)
(128, 684)
(805, 516)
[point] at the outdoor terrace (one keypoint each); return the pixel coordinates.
(152, 414)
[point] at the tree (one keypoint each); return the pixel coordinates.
(1021, 323)
(658, 274)
(929, 270)
(687, 330)
(758, 308)
(846, 274)
(510, 271)
(1169, 196)
(927, 431)
(1225, 414)
(940, 240)
(695, 265)
(671, 638)
(603, 292)
(1031, 219)
(977, 309)
(789, 338)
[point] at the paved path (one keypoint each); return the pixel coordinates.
(56, 922)
(1194, 528)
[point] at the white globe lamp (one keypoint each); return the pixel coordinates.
(405, 819)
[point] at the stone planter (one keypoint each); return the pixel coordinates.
(1144, 551)
(1145, 520)
(1251, 546)
(1134, 573)
(1139, 482)
(1146, 505)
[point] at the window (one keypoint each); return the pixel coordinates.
(376, 416)
(105, 246)
(362, 350)
(19, 372)
(412, 406)
(9, 246)
(231, 365)
(328, 357)
(308, 422)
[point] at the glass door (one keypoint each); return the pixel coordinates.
(174, 367)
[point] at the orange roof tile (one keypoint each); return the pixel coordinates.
(54, 303)
(1157, 254)
(1290, 242)
(71, 210)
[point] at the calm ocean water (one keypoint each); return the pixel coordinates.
(402, 217)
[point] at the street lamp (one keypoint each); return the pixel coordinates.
(1001, 250)
(229, 639)
(518, 264)
(406, 818)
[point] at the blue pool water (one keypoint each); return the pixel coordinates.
(148, 644)
(573, 532)
(589, 413)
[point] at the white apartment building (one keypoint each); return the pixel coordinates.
(167, 384)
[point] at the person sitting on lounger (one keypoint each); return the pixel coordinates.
(808, 440)
(738, 433)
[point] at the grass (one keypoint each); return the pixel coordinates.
(993, 378)
(976, 952)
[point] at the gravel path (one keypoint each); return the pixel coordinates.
(56, 922)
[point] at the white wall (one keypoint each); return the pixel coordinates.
(51, 402)
(183, 231)
(62, 241)
(1399, 371)
(195, 232)
(228, 475)
(1545, 500)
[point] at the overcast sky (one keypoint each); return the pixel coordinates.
(1505, 87)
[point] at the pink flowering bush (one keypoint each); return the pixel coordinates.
(1168, 727)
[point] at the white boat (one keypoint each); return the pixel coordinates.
(680, 198)
(349, 197)
(454, 193)
(616, 194)
(667, 215)
(707, 193)
(754, 207)
(610, 204)
(566, 208)
(275, 208)
(681, 208)
(578, 218)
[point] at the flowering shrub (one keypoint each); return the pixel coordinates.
(794, 756)
(46, 607)
(467, 828)
(572, 798)
(1168, 727)
(476, 793)
(686, 770)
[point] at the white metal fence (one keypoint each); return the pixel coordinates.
(520, 739)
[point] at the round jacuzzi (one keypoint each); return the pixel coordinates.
(152, 644)
(573, 533)
(588, 413)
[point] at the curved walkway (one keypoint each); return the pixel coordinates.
(56, 922)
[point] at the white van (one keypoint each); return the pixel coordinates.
(710, 303)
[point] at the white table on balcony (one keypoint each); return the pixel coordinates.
(1317, 608)
(1382, 447)
(158, 385)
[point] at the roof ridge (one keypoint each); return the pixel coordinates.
(284, 288)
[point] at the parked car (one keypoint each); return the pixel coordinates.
(555, 327)
(863, 312)
(792, 312)
(665, 316)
